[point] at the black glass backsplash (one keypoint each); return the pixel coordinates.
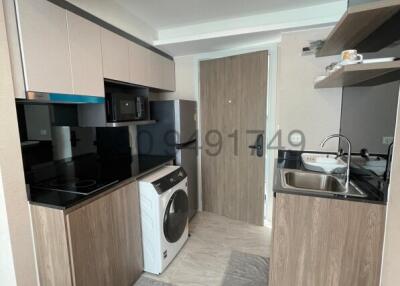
(368, 117)
(50, 133)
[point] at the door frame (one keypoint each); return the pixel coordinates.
(271, 126)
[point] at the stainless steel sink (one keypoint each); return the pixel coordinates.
(318, 183)
(313, 181)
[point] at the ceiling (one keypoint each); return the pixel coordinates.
(220, 43)
(165, 14)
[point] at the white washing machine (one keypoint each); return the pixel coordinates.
(164, 208)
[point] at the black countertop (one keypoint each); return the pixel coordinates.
(373, 186)
(116, 170)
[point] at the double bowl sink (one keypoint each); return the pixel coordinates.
(317, 183)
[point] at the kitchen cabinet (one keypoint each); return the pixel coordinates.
(86, 56)
(150, 69)
(44, 46)
(62, 52)
(115, 56)
(169, 74)
(322, 241)
(139, 59)
(96, 243)
(162, 72)
(51, 246)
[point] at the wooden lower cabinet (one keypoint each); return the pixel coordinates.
(326, 242)
(97, 244)
(51, 246)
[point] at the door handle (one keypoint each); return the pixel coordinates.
(259, 146)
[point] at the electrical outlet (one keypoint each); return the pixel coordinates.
(295, 138)
(43, 132)
(387, 140)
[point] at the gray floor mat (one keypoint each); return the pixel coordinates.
(246, 269)
(145, 281)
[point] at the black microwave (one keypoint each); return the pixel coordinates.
(127, 106)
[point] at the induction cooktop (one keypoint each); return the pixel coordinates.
(74, 185)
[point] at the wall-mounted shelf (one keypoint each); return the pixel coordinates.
(366, 27)
(362, 75)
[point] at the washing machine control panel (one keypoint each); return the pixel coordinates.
(167, 182)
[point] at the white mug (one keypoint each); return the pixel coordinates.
(351, 56)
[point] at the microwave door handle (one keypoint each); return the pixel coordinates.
(138, 108)
(110, 110)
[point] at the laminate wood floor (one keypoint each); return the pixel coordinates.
(205, 256)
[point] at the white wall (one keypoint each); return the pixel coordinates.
(391, 252)
(7, 272)
(12, 190)
(299, 106)
(114, 14)
(369, 115)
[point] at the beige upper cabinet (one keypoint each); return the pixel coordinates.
(139, 66)
(65, 53)
(168, 78)
(150, 69)
(115, 56)
(162, 72)
(156, 71)
(86, 57)
(44, 44)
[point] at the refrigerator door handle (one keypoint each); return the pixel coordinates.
(186, 144)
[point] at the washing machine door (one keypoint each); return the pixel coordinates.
(176, 216)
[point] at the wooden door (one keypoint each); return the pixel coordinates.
(86, 57)
(233, 115)
(115, 56)
(45, 48)
(105, 239)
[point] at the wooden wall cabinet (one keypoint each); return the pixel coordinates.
(86, 57)
(115, 56)
(63, 52)
(139, 67)
(44, 46)
(162, 72)
(168, 81)
(98, 243)
(150, 69)
(320, 241)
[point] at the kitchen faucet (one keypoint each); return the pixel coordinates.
(348, 154)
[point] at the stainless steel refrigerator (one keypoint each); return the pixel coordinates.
(174, 133)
